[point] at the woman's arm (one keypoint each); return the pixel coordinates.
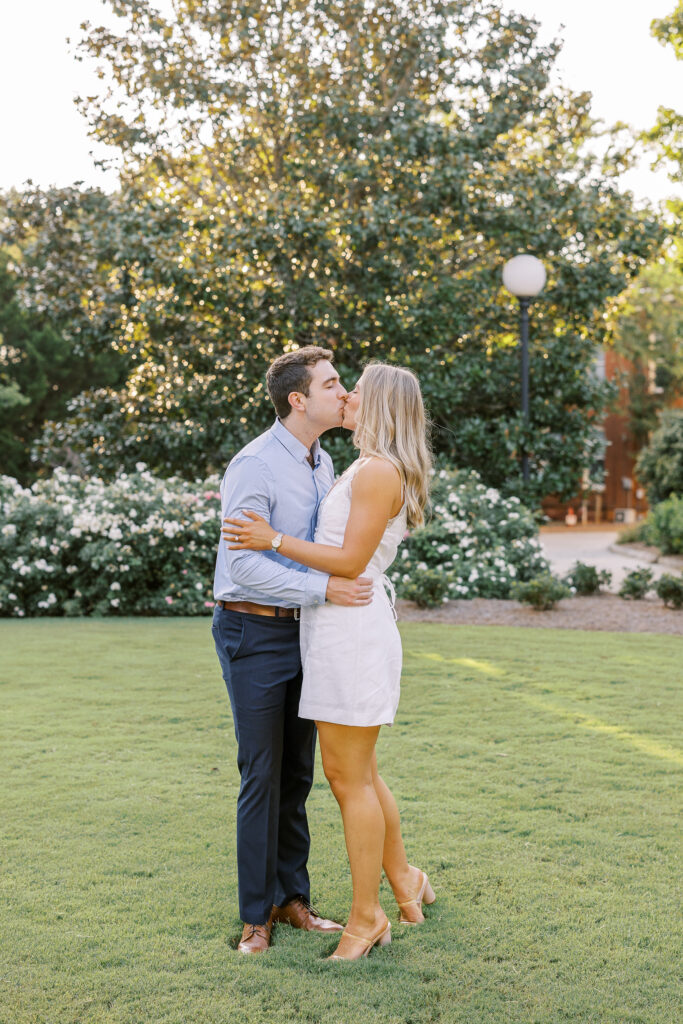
(375, 494)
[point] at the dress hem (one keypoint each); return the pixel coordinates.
(319, 714)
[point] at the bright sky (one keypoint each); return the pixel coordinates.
(608, 50)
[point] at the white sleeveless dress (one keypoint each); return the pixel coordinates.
(352, 657)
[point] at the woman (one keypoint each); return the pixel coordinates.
(352, 656)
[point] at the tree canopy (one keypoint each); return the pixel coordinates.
(353, 174)
(649, 332)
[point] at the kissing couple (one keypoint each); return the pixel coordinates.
(305, 632)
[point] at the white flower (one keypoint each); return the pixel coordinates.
(114, 602)
(9, 530)
(115, 585)
(115, 533)
(140, 467)
(199, 586)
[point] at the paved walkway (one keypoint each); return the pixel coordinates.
(564, 547)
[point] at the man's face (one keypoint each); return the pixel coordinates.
(324, 404)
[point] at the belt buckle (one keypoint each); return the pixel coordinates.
(297, 614)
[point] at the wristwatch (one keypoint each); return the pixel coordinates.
(276, 541)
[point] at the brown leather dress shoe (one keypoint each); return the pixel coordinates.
(300, 914)
(256, 937)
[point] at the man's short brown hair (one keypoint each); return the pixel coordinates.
(289, 372)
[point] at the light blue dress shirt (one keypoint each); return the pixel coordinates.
(271, 476)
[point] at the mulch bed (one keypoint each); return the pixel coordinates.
(605, 612)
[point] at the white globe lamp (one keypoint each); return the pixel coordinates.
(524, 276)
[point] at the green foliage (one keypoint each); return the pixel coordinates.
(353, 174)
(670, 589)
(665, 525)
(666, 136)
(428, 588)
(637, 584)
(648, 332)
(660, 464)
(668, 131)
(586, 579)
(136, 545)
(40, 370)
(542, 592)
(140, 545)
(476, 542)
(638, 533)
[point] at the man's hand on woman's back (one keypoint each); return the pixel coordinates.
(341, 590)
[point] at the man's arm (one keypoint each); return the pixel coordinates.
(249, 485)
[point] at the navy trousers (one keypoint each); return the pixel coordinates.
(261, 666)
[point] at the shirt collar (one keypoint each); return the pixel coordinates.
(293, 445)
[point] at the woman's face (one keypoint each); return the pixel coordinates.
(351, 406)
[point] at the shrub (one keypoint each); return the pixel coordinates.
(476, 541)
(427, 588)
(660, 464)
(135, 546)
(542, 593)
(586, 580)
(140, 545)
(666, 525)
(670, 589)
(636, 584)
(639, 533)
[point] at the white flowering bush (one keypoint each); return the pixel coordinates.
(137, 545)
(141, 545)
(476, 544)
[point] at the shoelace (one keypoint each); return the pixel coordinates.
(307, 906)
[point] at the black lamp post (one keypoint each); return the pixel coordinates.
(524, 277)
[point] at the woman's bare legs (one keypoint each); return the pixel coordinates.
(348, 759)
(403, 879)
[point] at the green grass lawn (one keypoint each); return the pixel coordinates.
(536, 772)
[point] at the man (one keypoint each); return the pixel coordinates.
(283, 475)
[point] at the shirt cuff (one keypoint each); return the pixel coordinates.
(316, 587)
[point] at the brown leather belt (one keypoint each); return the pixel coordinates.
(249, 608)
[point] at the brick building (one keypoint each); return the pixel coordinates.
(623, 498)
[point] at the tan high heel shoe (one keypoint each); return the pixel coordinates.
(424, 894)
(380, 938)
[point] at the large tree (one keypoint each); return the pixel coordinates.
(40, 371)
(351, 173)
(667, 134)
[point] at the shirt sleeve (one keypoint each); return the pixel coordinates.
(248, 486)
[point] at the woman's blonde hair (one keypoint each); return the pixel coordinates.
(392, 425)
